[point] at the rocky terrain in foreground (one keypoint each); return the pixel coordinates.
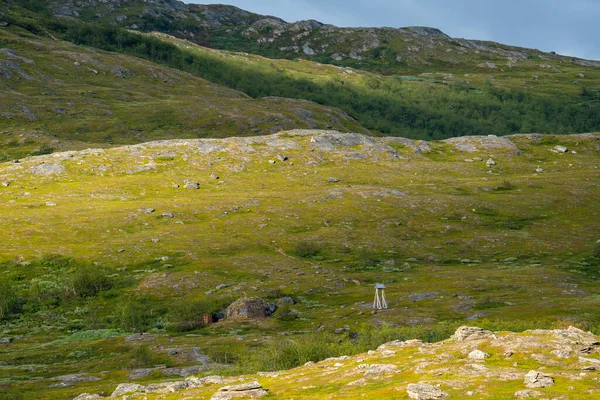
(474, 363)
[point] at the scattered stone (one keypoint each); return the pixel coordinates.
(468, 333)
(422, 391)
(286, 300)
(539, 170)
(70, 380)
(250, 390)
(6, 340)
(184, 371)
(50, 204)
(87, 396)
(490, 162)
(125, 388)
(535, 379)
(380, 369)
(561, 149)
(488, 64)
(468, 160)
(140, 373)
(6, 184)
(248, 308)
(561, 353)
(191, 185)
(359, 382)
(281, 157)
(589, 360)
(478, 355)
(333, 180)
(140, 337)
(48, 169)
(222, 286)
(168, 215)
(147, 210)
(272, 162)
(422, 296)
(214, 176)
(527, 394)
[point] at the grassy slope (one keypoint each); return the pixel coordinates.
(435, 100)
(59, 96)
(456, 231)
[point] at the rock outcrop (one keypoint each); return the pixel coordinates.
(423, 371)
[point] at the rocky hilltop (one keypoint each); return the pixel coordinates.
(230, 28)
(474, 363)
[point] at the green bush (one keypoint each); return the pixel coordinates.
(55, 261)
(286, 313)
(306, 249)
(596, 251)
(89, 281)
(488, 303)
(186, 315)
(136, 317)
(10, 302)
(505, 186)
(142, 357)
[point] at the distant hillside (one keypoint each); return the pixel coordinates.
(461, 87)
(230, 28)
(58, 96)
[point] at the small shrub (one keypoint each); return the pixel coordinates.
(596, 251)
(48, 293)
(42, 151)
(546, 140)
(487, 211)
(186, 315)
(88, 282)
(55, 261)
(488, 303)
(12, 395)
(307, 249)
(368, 260)
(93, 335)
(136, 317)
(286, 313)
(143, 357)
(10, 303)
(505, 186)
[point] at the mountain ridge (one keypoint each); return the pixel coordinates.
(307, 38)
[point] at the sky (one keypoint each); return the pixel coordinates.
(567, 27)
